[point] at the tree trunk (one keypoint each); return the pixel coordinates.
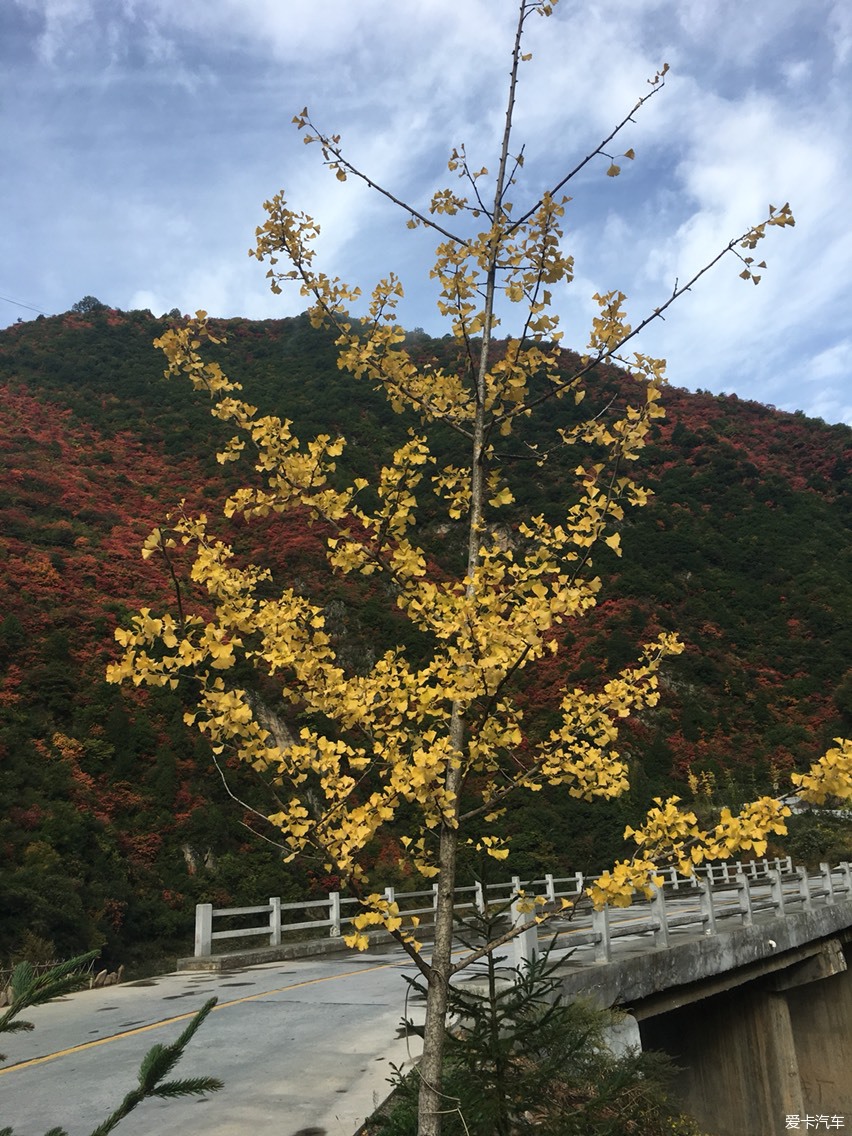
(432, 1104)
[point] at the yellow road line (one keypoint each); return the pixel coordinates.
(190, 1014)
(222, 1006)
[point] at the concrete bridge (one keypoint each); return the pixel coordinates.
(758, 1015)
(742, 976)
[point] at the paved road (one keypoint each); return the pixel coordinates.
(303, 1047)
(319, 1061)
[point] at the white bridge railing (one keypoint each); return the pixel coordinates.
(333, 913)
(740, 893)
(724, 891)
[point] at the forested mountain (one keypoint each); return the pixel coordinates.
(114, 825)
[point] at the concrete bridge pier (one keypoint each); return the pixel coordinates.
(821, 1019)
(777, 1046)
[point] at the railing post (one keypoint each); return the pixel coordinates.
(578, 882)
(752, 869)
(777, 887)
(674, 878)
(390, 895)
(525, 943)
(744, 898)
(805, 888)
(600, 926)
(334, 914)
(479, 897)
(708, 911)
(203, 930)
(550, 888)
(275, 921)
(845, 869)
(828, 886)
(725, 873)
(658, 907)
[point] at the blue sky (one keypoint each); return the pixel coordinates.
(139, 139)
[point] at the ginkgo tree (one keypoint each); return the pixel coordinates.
(442, 741)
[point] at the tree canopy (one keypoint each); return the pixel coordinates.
(438, 741)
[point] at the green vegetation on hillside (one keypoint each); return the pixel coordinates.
(113, 828)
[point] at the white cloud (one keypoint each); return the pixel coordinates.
(145, 135)
(834, 362)
(63, 22)
(840, 27)
(797, 71)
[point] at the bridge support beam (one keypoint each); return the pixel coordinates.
(739, 1067)
(821, 1016)
(776, 1047)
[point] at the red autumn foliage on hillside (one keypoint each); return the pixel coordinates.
(115, 816)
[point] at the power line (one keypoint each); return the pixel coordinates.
(18, 304)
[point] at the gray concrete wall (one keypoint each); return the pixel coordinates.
(777, 1046)
(821, 1016)
(738, 1062)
